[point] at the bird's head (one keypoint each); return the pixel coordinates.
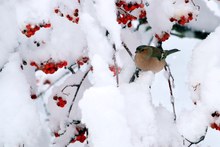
(155, 52)
(141, 48)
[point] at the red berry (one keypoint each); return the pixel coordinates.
(173, 19)
(55, 97)
(56, 10)
(56, 134)
(81, 138)
(47, 82)
(33, 96)
(48, 25)
(64, 63)
(129, 24)
(141, 5)
(77, 20)
(28, 26)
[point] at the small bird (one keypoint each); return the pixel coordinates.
(149, 58)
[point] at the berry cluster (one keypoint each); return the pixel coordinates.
(80, 136)
(183, 19)
(49, 67)
(129, 7)
(124, 15)
(112, 68)
(30, 30)
(162, 37)
(82, 61)
(71, 17)
(60, 101)
(215, 126)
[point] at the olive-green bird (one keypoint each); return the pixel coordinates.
(149, 58)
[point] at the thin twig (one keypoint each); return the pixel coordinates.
(77, 90)
(127, 49)
(74, 85)
(196, 142)
(172, 99)
(116, 65)
(135, 74)
(51, 85)
(114, 59)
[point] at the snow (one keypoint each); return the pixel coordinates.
(201, 23)
(107, 104)
(8, 29)
(17, 109)
(159, 15)
(137, 114)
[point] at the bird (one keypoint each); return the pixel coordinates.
(150, 58)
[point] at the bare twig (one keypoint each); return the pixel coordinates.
(196, 142)
(127, 49)
(67, 94)
(135, 74)
(114, 59)
(52, 84)
(116, 65)
(77, 90)
(172, 99)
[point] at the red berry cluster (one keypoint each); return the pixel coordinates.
(60, 101)
(215, 126)
(183, 19)
(124, 12)
(30, 30)
(129, 7)
(82, 61)
(162, 37)
(49, 67)
(126, 19)
(71, 17)
(112, 68)
(80, 136)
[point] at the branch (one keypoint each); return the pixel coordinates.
(115, 61)
(116, 65)
(184, 31)
(196, 142)
(172, 100)
(127, 49)
(51, 85)
(77, 90)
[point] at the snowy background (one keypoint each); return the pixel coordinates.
(58, 67)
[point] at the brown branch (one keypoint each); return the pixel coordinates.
(172, 99)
